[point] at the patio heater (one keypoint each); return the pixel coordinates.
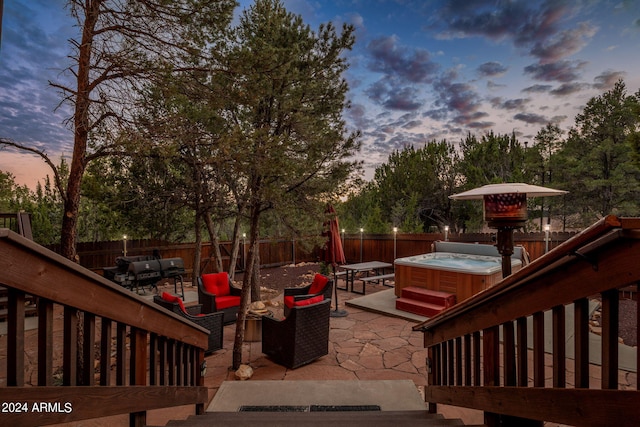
(505, 209)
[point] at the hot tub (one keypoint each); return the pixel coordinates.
(462, 269)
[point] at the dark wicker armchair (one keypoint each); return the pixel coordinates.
(300, 338)
(216, 293)
(211, 321)
(321, 285)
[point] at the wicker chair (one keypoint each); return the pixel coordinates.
(212, 321)
(216, 293)
(300, 338)
(321, 285)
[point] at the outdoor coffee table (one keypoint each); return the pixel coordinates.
(253, 325)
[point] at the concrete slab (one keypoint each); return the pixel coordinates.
(390, 395)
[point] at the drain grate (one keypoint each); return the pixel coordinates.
(311, 408)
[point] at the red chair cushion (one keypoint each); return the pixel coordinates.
(174, 299)
(216, 283)
(288, 301)
(318, 284)
(308, 301)
(227, 301)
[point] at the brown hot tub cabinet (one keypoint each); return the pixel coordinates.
(461, 269)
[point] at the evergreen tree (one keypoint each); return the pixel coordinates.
(289, 139)
(598, 169)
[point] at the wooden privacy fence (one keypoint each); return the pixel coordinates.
(278, 252)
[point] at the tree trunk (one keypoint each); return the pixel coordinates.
(235, 249)
(197, 256)
(246, 286)
(215, 242)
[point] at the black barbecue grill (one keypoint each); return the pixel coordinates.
(173, 268)
(135, 272)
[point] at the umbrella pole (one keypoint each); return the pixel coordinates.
(336, 312)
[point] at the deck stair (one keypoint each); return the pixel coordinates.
(424, 302)
(320, 419)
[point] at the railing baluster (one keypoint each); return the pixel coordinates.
(45, 342)
(121, 353)
(467, 360)
(459, 361)
(491, 356)
(523, 352)
(610, 316)
(153, 359)
(451, 363)
(559, 347)
(105, 351)
(70, 347)
(171, 360)
(15, 337)
(88, 355)
(538, 349)
(477, 381)
(581, 342)
(509, 354)
(163, 360)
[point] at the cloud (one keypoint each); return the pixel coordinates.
(510, 104)
(568, 89)
(537, 89)
(391, 59)
(531, 118)
(563, 44)
(561, 71)
(607, 79)
(491, 69)
(521, 21)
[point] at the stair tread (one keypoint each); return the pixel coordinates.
(340, 418)
(426, 291)
(418, 302)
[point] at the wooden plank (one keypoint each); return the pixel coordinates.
(559, 346)
(509, 354)
(138, 365)
(610, 316)
(88, 355)
(523, 352)
(538, 349)
(45, 342)
(121, 354)
(468, 361)
(476, 358)
(491, 356)
(105, 351)
(15, 338)
(70, 347)
(459, 361)
(69, 404)
(581, 342)
(583, 407)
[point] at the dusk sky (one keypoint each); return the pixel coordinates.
(420, 70)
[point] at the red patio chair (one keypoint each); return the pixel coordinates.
(216, 293)
(321, 285)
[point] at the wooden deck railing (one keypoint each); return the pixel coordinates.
(146, 345)
(488, 353)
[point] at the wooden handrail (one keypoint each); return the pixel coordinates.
(479, 350)
(153, 348)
